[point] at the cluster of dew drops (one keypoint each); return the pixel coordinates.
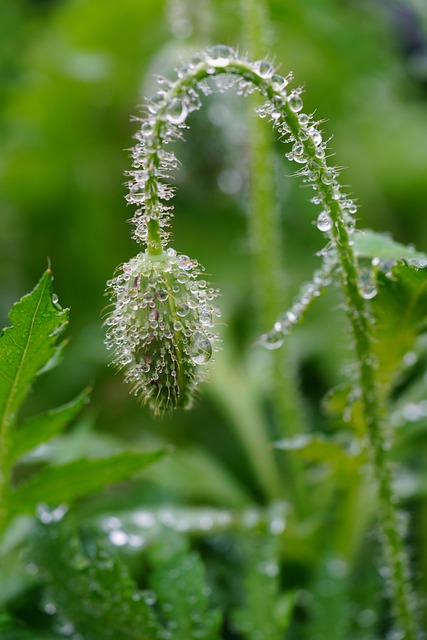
(157, 306)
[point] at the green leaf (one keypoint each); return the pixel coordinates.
(261, 613)
(319, 450)
(400, 312)
(55, 485)
(330, 607)
(28, 346)
(93, 589)
(45, 426)
(179, 582)
(369, 244)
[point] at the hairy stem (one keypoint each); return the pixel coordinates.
(219, 68)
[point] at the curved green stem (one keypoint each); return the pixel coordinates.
(168, 112)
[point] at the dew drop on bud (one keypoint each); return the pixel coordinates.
(182, 310)
(201, 349)
(184, 262)
(176, 111)
(162, 295)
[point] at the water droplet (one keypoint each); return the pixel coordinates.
(47, 515)
(119, 538)
(278, 82)
(316, 136)
(192, 302)
(368, 289)
(295, 102)
(176, 111)
(366, 618)
(324, 222)
(65, 629)
(272, 341)
(269, 568)
(182, 310)
(145, 367)
(201, 349)
(184, 262)
(144, 519)
(162, 295)
(49, 608)
(264, 69)
(337, 568)
(31, 569)
(54, 298)
(277, 525)
(220, 55)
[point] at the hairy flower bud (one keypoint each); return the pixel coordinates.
(161, 328)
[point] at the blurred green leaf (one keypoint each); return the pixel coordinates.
(43, 427)
(261, 613)
(370, 244)
(92, 589)
(319, 450)
(28, 346)
(65, 483)
(179, 582)
(400, 312)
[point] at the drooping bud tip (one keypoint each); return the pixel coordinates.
(162, 328)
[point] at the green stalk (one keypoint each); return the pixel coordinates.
(308, 151)
(394, 550)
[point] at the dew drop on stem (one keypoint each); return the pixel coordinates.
(177, 111)
(272, 341)
(219, 55)
(324, 222)
(295, 102)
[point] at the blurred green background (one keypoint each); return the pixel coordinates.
(73, 72)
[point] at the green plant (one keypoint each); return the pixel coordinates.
(169, 343)
(187, 571)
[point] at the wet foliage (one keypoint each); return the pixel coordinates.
(254, 515)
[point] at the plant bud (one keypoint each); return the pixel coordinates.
(162, 328)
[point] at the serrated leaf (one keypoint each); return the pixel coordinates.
(93, 589)
(260, 614)
(28, 345)
(369, 244)
(55, 485)
(45, 426)
(400, 312)
(180, 585)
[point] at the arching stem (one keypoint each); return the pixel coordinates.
(167, 116)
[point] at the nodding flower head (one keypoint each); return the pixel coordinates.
(162, 328)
